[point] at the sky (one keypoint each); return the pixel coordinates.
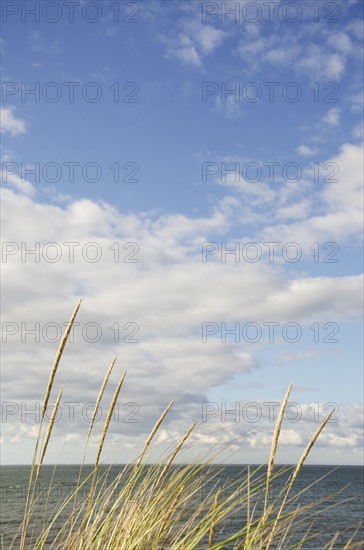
(193, 171)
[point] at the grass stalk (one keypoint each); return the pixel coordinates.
(31, 487)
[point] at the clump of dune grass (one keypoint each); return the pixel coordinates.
(159, 506)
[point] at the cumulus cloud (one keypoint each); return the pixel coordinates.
(357, 101)
(358, 131)
(313, 58)
(151, 311)
(185, 51)
(320, 63)
(305, 151)
(10, 123)
(346, 198)
(340, 213)
(194, 42)
(208, 37)
(332, 117)
(168, 357)
(341, 42)
(19, 183)
(146, 291)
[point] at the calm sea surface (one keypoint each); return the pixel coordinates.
(349, 480)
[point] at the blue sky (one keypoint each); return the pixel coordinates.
(198, 162)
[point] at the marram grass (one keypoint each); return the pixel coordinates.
(159, 506)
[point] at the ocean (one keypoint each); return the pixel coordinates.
(339, 512)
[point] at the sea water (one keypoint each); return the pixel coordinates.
(342, 489)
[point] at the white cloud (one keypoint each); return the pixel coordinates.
(170, 291)
(71, 437)
(300, 211)
(358, 131)
(251, 48)
(299, 51)
(282, 56)
(332, 117)
(333, 440)
(11, 124)
(341, 42)
(230, 108)
(185, 52)
(167, 294)
(297, 211)
(357, 101)
(291, 437)
(293, 357)
(344, 193)
(356, 28)
(188, 55)
(168, 278)
(194, 42)
(259, 440)
(319, 63)
(208, 38)
(21, 184)
(305, 151)
(340, 214)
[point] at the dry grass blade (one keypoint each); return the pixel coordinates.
(297, 470)
(49, 431)
(30, 492)
(273, 450)
(213, 520)
(101, 444)
(58, 358)
(99, 397)
(101, 393)
(153, 432)
(175, 452)
(169, 513)
(308, 448)
(248, 515)
(108, 418)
